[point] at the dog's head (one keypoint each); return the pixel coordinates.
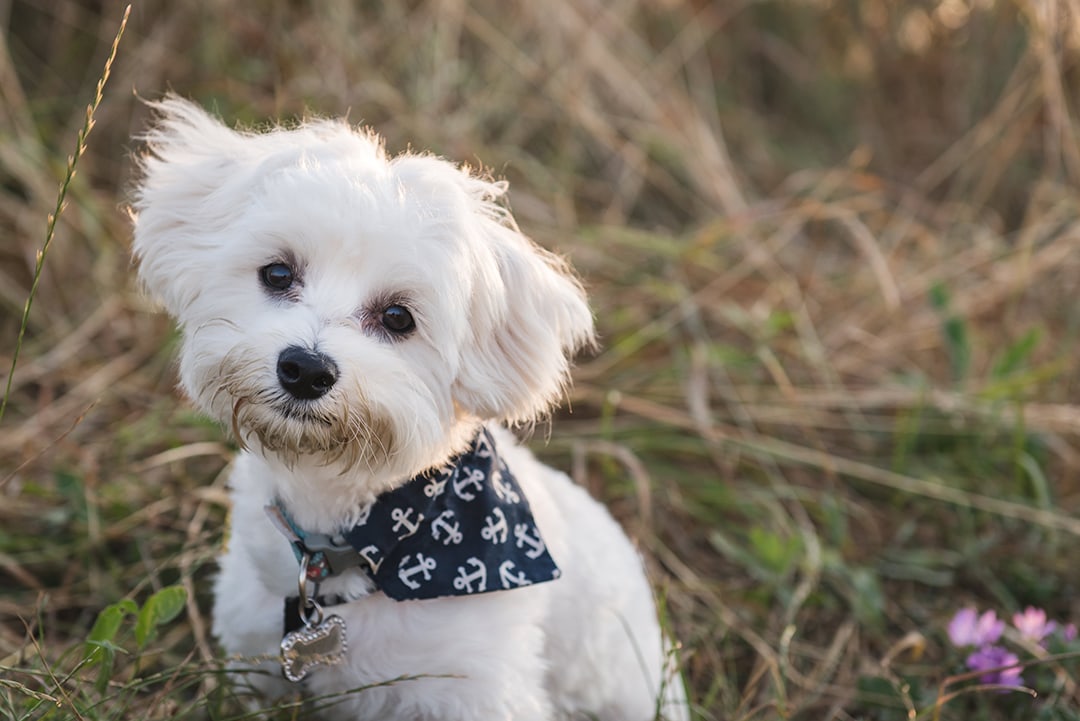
(339, 303)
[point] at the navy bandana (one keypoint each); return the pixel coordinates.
(461, 529)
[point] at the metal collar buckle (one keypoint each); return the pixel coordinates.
(325, 555)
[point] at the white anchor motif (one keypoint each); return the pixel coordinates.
(465, 579)
(371, 555)
(474, 478)
(495, 527)
(503, 490)
(509, 580)
(483, 448)
(423, 565)
(435, 487)
(401, 517)
(535, 543)
(443, 523)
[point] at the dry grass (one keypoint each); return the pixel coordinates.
(834, 250)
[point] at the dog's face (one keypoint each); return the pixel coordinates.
(339, 304)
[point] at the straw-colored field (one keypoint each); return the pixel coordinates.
(834, 254)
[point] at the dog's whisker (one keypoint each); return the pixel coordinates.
(214, 322)
(240, 440)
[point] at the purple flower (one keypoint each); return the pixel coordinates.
(1032, 624)
(967, 628)
(1069, 632)
(989, 657)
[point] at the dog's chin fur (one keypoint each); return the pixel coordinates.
(292, 431)
(339, 430)
(497, 320)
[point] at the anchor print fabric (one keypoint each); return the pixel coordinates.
(464, 528)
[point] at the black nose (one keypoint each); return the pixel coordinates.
(304, 373)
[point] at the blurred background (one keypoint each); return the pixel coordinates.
(833, 248)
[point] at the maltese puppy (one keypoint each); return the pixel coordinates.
(365, 324)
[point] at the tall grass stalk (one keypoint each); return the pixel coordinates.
(50, 231)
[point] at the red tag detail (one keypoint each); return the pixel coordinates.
(317, 568)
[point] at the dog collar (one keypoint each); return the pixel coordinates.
(461, 529)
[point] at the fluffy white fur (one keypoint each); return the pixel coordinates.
(497, 320)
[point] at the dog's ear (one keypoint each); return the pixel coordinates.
(530, 317)
(188, 188)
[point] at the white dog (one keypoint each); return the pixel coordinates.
(364, 323)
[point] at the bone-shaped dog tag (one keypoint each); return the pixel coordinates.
(319, 644)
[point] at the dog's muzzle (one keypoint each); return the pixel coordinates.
(306, 374)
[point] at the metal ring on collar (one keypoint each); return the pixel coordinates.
(307, 602)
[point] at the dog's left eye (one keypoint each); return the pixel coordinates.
(277, 276)
(397, 319)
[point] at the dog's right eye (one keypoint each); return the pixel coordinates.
(277, 276)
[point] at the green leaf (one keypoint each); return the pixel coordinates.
(777, 553)
(159, 609)
(1017, 355)
(867, 598)
(106, 627)
(954, 329)
(105, 655)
